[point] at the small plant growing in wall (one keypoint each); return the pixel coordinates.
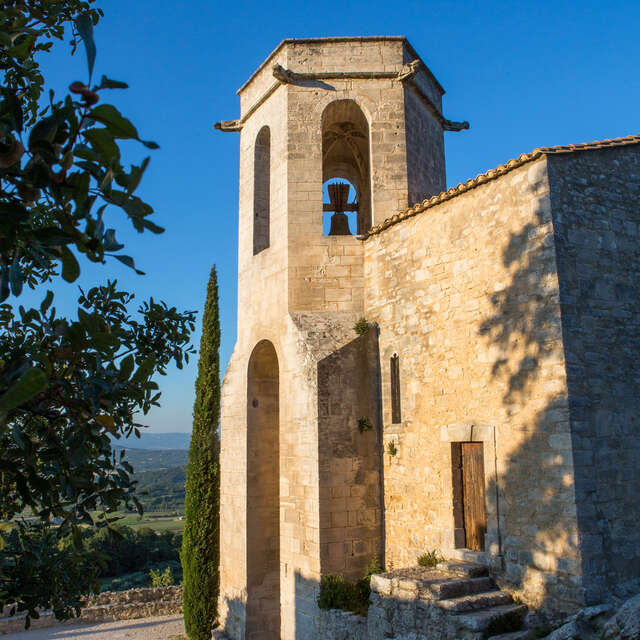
(361, 327)
(338, 593)
(430, 558)
(161, 578)
(392, 449)
(364, 424)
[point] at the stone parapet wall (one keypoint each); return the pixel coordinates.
(106, 607)
(335, 624)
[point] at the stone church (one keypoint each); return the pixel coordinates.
(419, 368)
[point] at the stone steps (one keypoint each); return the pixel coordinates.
(453, 600)
(475, 602)
(514, 635)
(463, 569)
(445, 588)
(507, 614)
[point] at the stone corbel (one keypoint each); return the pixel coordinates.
(228, 125)
(450, 125)
(283, 75)
(408, 71)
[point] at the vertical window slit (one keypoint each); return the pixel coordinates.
(261, 190)
(396, 414)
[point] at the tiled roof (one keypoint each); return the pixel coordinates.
(500, 170)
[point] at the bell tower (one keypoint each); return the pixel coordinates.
(336, 135)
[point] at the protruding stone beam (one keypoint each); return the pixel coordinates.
(406, 75)
(450, 125)
(283, 75)
(286, 76)
(228, 125)
(409, 71)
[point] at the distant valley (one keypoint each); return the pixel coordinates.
(155, 441)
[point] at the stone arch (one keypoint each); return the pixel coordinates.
(261, 189)
(263, 495)
(346, 153)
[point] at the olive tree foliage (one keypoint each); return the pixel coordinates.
(67, 385)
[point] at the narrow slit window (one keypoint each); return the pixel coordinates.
(261, 190)
(396, 414)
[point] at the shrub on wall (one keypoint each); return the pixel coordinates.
(338, 593)
(200, 546)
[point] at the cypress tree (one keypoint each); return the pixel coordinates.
(200, 544)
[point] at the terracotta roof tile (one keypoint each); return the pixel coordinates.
(500, 170)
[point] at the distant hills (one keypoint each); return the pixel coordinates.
(159, 462)
(162, 490)
(155, 441)
(153, 459)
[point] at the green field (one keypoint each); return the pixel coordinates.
(158, 521)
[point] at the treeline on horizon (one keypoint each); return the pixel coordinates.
(120, 556)
(162, 489)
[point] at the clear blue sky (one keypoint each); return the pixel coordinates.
(525, 74)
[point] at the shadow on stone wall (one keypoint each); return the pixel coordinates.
(585, 439)
(536, 480)
(349, 457)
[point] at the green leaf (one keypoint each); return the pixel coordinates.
(109, 241)
(4, 285)
(128, 260)
(144, 370)
(11, 105)
(44, 129)
(126, 367)
(150, 144)
(70, 266)
(86, 152)
(152, 226)
(104, 341)
(46, 303)
(111, 118)
(16, 278)
(85, 29)
(107, 83)
(30, 383)
(77, 536)
(12, 212)
(103, 142)
(131, 181)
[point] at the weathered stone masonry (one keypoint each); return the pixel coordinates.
(509, 305)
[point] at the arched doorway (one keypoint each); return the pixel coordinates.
(263, 495)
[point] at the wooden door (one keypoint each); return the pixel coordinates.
(475, 518)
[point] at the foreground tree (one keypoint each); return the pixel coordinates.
(200, 543)
(67, 386)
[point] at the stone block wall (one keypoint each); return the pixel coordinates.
(596, 213)
(425, 148)
(105, 607)
(327, 274)
(349, 459)
(466, 294)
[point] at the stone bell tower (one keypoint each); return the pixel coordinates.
(300, 456)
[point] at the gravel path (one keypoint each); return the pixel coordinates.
(159, 628)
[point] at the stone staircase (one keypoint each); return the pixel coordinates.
(455, 600)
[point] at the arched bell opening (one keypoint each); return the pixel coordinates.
(346, 160)
(337, 221)
(263, 495)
